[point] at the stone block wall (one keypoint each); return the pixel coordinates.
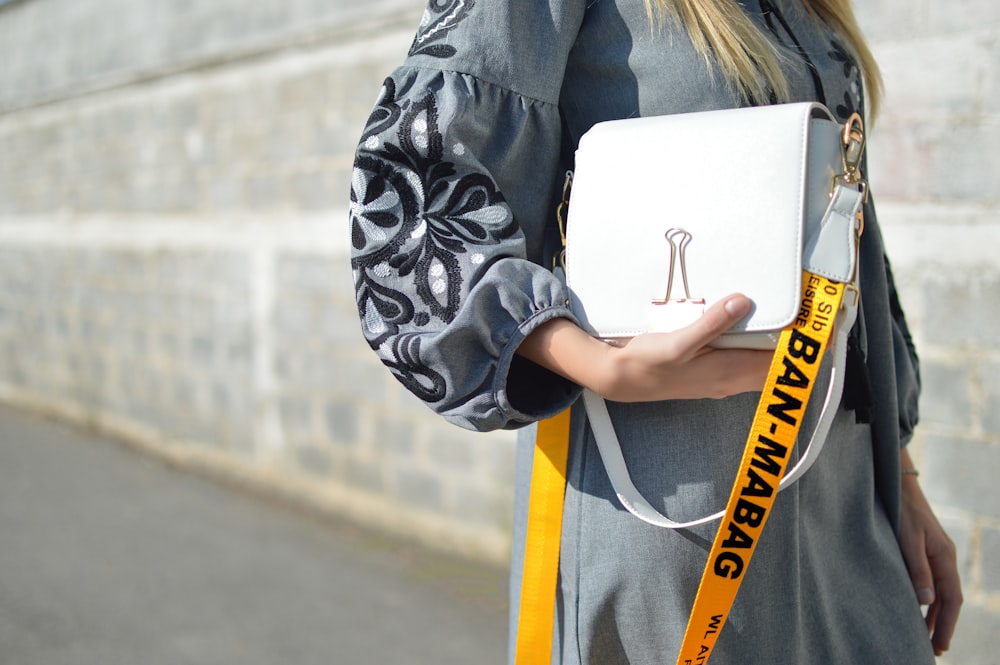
(174, 267)
(936, 177)
(173, 254)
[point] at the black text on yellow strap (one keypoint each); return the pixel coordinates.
(784, 408)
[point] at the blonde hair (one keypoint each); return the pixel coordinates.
(749, 61)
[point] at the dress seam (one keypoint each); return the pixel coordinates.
(482, 79)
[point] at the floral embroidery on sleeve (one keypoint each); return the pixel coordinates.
(419, 227)
(852, 96)
(435, 28)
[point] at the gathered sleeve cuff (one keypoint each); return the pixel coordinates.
(452, 207)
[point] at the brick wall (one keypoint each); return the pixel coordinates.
(173, 260)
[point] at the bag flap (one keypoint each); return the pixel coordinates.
(736, 183)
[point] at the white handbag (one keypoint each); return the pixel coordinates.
(669, 214)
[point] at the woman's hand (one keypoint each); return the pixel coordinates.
(930, 556)
(654, 366)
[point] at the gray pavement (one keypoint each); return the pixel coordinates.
(108, 557)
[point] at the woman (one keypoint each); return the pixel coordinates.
(456, 182)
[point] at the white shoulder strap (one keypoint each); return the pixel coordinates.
(840, 215)
(635, 503)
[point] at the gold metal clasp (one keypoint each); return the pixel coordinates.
(852, 290)
(559, 260)
(678, 239)
(853, 148)
(668, 313)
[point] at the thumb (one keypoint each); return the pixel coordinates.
(716, 320)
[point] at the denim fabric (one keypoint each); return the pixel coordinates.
(457, 177)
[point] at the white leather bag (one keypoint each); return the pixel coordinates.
(670, 214)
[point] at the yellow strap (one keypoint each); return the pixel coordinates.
(541, 548)
(790, 380)
(776, 424)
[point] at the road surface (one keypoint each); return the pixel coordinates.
(109, 557)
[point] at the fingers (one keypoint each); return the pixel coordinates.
(942, 617)
(922, 578)
(682, 365)
(716, 320)
(747, 370)
(915, 554)
(931, 559)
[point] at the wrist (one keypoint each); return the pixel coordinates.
(910, 483)
(907, 469)
(563, 347)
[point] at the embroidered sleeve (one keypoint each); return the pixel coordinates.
(452, 198)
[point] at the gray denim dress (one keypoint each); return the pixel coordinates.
(452, 218)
